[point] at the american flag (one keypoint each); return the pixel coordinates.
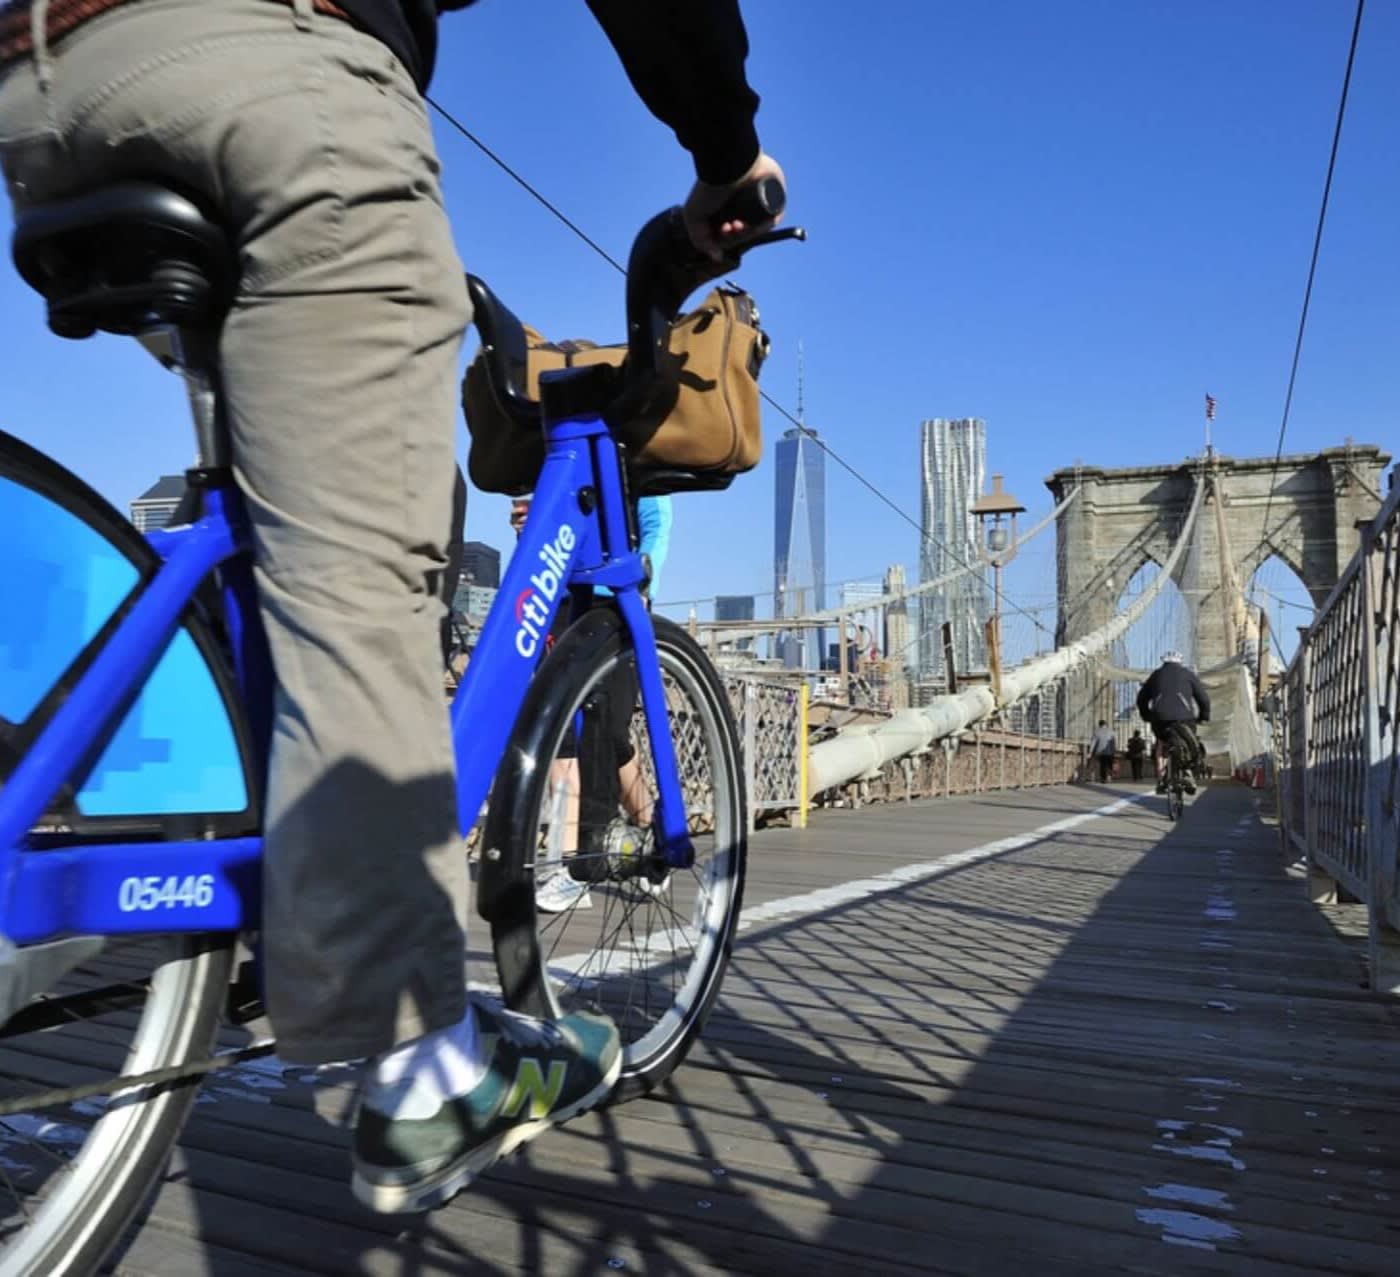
(1210, 408)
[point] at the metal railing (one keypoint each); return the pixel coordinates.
(839, 760)
(978, 762)
(1340, 752)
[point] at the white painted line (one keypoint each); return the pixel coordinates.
(846, 892)
(654, 948)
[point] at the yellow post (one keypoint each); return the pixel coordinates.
(802, 758)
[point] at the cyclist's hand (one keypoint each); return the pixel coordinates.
(706, 199)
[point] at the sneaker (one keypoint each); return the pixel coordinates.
(560, 892)
(1188, 784)
(539, 1074)
(1161, 784)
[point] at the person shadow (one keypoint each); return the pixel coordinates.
(875, 1078)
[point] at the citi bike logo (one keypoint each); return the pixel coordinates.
(532, 607)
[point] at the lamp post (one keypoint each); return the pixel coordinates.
(992, 509)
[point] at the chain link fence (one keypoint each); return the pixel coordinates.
(771, 736)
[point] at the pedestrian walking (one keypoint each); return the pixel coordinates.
(1102, 749)
(1137, 751)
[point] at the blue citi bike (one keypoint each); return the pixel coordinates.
(135, 711)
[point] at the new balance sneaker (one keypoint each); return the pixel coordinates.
(560, 892)
(412, 1155)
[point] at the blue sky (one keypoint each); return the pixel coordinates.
(1070, 219)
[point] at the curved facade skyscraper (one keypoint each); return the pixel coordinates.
(952, 469)
(799, 541)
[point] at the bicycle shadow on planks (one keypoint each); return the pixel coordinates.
(959, 1074)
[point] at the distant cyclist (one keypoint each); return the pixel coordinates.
(1172, 701)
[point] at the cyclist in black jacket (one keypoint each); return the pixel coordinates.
(1171, 701)
(301, 126)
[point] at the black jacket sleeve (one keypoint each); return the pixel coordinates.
(686, 58)
(1202, 699)
(1144, 700)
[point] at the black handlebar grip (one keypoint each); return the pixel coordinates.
(753, 205)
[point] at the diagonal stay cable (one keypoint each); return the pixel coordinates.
(1316, 250)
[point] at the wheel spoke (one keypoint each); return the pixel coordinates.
(648, 955)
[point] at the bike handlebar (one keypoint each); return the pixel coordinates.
(664, 267)
(763, 201)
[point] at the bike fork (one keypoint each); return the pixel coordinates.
(671, 824)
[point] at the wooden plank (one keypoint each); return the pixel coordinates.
(1127, 1045)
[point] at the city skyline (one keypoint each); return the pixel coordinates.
(898, 646)
(952, 471)
(1079, 325)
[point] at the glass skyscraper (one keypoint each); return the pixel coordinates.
(952, 468)
(481, 564)
(799, 541)
(734, 607)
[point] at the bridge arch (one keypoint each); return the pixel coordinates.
(1277, 587)
(1304, 511)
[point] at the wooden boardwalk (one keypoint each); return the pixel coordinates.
(989, 1035)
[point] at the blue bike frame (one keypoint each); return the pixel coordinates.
(575, 539)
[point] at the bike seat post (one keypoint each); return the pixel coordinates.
(198, 353)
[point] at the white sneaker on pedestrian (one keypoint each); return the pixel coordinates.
(559, 892)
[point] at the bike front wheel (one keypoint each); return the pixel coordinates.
(585, 915)
(75, 1175)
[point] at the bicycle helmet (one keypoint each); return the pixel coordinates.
(1173, 657)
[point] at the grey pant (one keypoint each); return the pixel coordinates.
(339, 356)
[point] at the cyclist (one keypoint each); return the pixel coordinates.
(301, 125)
(1171, 700)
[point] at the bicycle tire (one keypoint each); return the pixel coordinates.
(101, 1190)
(1174, 803)
(587, 654)
(110, 1158)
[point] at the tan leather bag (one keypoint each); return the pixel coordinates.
(701, 412)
